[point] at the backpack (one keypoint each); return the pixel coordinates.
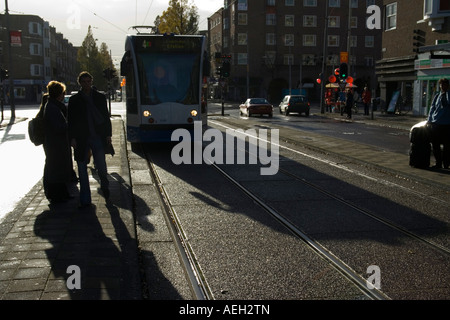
(36, 128)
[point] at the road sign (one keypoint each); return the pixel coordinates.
(344, 57)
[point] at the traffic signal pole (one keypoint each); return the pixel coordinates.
(10, 68)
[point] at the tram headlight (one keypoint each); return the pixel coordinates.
(194, 113)
(146, 113)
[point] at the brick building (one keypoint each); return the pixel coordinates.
(39, 54)
(415, 52)
(277, 46)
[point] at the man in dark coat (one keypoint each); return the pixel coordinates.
(58, 156)
(89, 129)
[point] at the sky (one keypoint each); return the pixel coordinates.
(110, 19)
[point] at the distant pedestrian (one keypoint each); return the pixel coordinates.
(439, 121)
(89, 129)
(366, 98)
(349, 104)
(58, 157)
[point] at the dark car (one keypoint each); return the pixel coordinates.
(256, 106)
(297, 104)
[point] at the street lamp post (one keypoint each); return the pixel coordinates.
(325, 32)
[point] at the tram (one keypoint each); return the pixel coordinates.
(165, 86)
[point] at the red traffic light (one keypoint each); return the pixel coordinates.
(318, 81)
(349, 80)
(332, 79)
(337, 71)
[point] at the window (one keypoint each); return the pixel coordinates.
(271, 19)
(288, 59)
(270, 2)
(428, 7)
(334, 4)
(332, 60)
(36, 70)
(270, 39)
(35, 49)
(242, 39)
(354, 41)
(289, 20)
(225, 41)
(333, 41)
(242, 5)
(334, 22)
(444, 5)
(369, 41)
(242, 59)
(391, 16)
(35, 28)
(354, 3)
(309, 40)
(308, 60)
(310, 3)
(269, 58)
(289, 40)
(310, 21)
(226, 23)
(242, 19)
(290, 3)
(368, 61)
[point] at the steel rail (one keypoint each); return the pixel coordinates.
(362, 284)
(194, 274)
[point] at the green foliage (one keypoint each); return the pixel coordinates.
(181, 17)
(95, 60)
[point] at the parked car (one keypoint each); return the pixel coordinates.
(256, 106)
(295, 103)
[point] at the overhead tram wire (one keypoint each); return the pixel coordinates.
(95, 14)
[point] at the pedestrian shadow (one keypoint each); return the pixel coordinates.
(97, 253)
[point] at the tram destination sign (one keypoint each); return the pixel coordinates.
(169, 44)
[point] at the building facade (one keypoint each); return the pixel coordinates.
(278, 46)
(415, 52)
(39, 54)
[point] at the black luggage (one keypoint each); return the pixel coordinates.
(420, 147)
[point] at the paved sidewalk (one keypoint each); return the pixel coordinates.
(52, 252)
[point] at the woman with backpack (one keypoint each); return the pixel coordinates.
(58, 156)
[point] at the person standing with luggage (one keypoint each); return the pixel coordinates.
(439, 122)
(89, 129)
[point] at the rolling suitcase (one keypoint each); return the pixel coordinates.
(420, 147)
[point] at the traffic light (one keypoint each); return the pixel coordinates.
(343, 71)
(226, 69)
(419, 39)
(3, 74)
(219, 71)
(226, 58)
(109, 73)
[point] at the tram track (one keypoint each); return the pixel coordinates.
(193, 269)
(384, 221)
(327, 255)
(198, 285)
(194, 274)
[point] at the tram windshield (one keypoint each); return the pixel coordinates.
(169, 77)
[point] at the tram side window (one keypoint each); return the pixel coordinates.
(127, 71)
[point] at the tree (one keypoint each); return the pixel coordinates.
(181, 17)
(93, 60)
